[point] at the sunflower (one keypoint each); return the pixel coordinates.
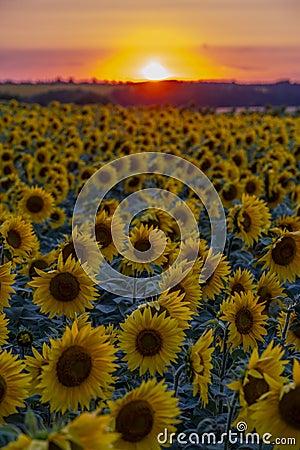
(150, 342)
(155, 217)
(250, 219)
(134, 183)
(286, 180)
(199, 365)
(105, 177)
(187, 248)
(278, 411)
(79, 368)
(36, 203)
(57, 217)
(3, 329)
(241, 281)
(64, 291)
(85, 251)
(34, 366)
(41, 440)
(174, 306)
(14, 190)
(253, 185)
(293, 331)
(144, 413)
(90, 431)
(295, 195)
(42, 155)
(239, 158)
(38, 261)
(185, 213)
(171, 253)
(214, 284)
(269, 290)
(87, 172)
(19, 237)
(288, 223)
(230, 191)
(7, 279)
(109, 206)
(58, 187)
(275, 196)
(149, 251)
(283, 256)
(13, 384)
(262, 374)
(246, 321)
(41, 171)
(183, 279)
(103, 235)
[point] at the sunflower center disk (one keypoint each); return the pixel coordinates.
(64, 287)
(104, 177)
(244, 321)
(74, 366)
(231, 193)
(103, 235)
(148, 342)
(254, 389)
(250, 187)
(264, 295)
(135, 421)
(134, 181)
(55, 216)
(14, 239)
(289, 408)
(142, 245)
(35, 204)
(246, 221)
(284, 252)
(3, 388)
(38, 264)
(237, 287)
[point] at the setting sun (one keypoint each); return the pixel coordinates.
(154, 71)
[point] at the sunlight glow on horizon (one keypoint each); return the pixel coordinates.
(154, 71)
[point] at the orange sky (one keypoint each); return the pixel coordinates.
(115, 39)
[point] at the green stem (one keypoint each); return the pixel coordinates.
(229, 418)
(230, 242)
(286, 325)
(223, 368)
(177, 375)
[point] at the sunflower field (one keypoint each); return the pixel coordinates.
(211, 363)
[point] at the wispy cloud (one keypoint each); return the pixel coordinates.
(26, 64)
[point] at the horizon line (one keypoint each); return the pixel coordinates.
(94, 80)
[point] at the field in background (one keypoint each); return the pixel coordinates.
(204, 352)
(176, 93)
